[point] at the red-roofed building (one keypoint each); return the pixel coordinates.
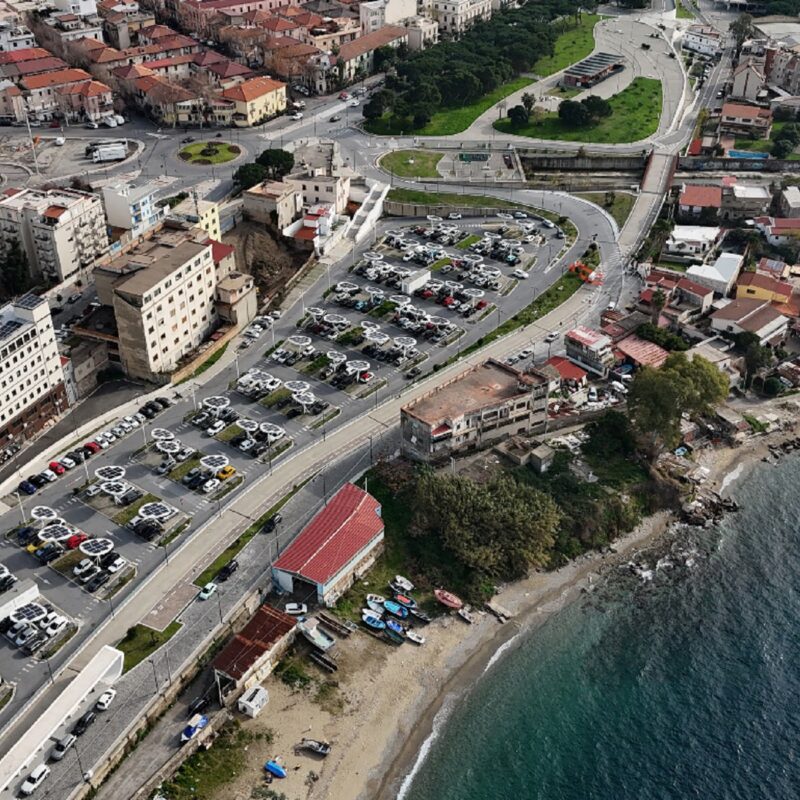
(738, 119)
(640, 352)
(33, 67)
(252, 654)
(336, 548)
(87, 100)
(24, 54)
(569, 372)
(695, 199)
(779, 230)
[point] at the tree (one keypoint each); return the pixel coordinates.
(249, 175)
(277, 163)
(702, 386)
(597, 107)
(15, 271)
(518, 116)
(742, 29)
(384, 57)
(574, 114)
(422, 116)
(528, 101)
(657, 303)
(373, 109)
(782, 148)
(610, 435)
(756, 358)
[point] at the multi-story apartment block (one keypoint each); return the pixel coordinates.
(422, 32)
(374, 14)
(163, 298)
(61, 230)
(132, 208)
(70, 27)
(81, 8)
(482, 405)
(31, 378)
(702, 39)
(738, 119)
(200, 211)
(456, 16)
(589, 349)
(14, 36)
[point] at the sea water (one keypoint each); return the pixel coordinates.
(686, 685)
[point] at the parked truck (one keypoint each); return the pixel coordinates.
(109, 152)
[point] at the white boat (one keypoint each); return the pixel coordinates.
(413, 636)
(404, 583)
(319, 638)
(465, 615)
(376, 608)
(378, 599)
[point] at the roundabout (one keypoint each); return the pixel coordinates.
(203, 154)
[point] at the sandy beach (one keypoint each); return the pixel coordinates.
(385, 701)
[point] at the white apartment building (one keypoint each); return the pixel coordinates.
(423, 32)
(14, 36)
(132, 208)
(702, 39)
(163, 297)
(61, 230)
(456, 16)
(31, 378)
(83, 8)
(377, 13)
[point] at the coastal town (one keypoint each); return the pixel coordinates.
(342, 343)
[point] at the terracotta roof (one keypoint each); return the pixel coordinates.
(229, 69)
(298, 50)
(170, 61)
(252, 89)
(131, 71)
(37, 65)
(766, 282)
(694, 288)
(305, 234)
(372, 41)
(307, 19)
(11, 91)
(25, 54)
(86, 89)
(349, 522)
(206, 57)
(267, 627)
(745, 112)
(642, 352)
(160, 91)
(58, 78)
(90, 44)
(278, 25)
(66, 17)
(106, 55)
(748, 313)
(701, 196)
(154, 32)
(566, 369)
(54, 212)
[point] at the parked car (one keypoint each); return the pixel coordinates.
(551, 337)
(105, 699)
(26, 487)
(226, 472)
(296, 609)
(272, 523)
(62, 745)
(215, 428)
(228, 570)
(36, 778)
(207, 591)
(100, 579)
(210, 485)
(193, 473)
(56, 468)
(82, 725)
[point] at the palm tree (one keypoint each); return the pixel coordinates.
(658, 302)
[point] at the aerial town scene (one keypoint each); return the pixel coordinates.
(399, 399)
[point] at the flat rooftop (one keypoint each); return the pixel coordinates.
(487, 384)
(594, 64)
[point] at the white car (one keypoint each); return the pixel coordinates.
(34, 780)
(354, 103)
(56, 627)
(519, 273)
(132, 421)
(48, 475)
(215, 428)
(296, 115)
(116, 565)
(105, 699)
(82, 567)
(296, 609)
(210, 485)
(207, 591)
(92, 126)
(60, 141)
(67, 462)
(454, 215)
(551, 337)
(503, 215)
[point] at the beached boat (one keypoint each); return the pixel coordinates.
(413, 636)
(393, 637)
(404, 583)
(372, 620)
(275, 769)
(420, 616)
(395, 609)
(448, 599)
(315, 746)
(394, 625)
(466, 616)
(377, 608)
(376, 598)
(196, 724)
(405, 600)
(319, 638)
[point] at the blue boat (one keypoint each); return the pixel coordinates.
(394, 625)
(275, 769)
(372, 620)
(395, 609)
(196, 724)
(405, 600)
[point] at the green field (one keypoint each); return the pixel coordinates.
(764, 145)
(635, 116)
(682, 12)
(618, 204)
(400, 163)
(449, 120)
(575, 43)
(141, 641)
(223, 152)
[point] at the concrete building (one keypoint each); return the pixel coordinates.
(476, 408)
(274, 203)
(62, 231)
(592, 70)
(198, 211)
(317, 187)
(748, 81)
(691, 240)
(374, 14)
(719, 276)
(423, 32)
(744, 200)
(457, 16)
(256, 100)
(749, 315)
(763, 287)
(82, 8)
(738, 119)
(789, 202)
(32, 389)
(696, 199)
(702, 39)
(590, 349)
(14, 36)
(779, 230)
(334, 550)
(132, 208)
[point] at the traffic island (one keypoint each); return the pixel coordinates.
(203, 154)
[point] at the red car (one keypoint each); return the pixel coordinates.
(344, 96)
(93, 446)
(482, 304)
(59, 469)
(75, 540)
(54, 124)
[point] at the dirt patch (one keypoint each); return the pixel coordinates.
(262, 256)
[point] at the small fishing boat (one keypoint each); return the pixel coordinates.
(405, 600)
(315, 746)
(395, 609)
(413, 636)
(377, 608)
(448, 599)
(420, 616)
(319, 638)
(394, 625)
(394, 638)
(196, 724)
(466, 616)
(376, 598)
(372, 620)
(404, 583)
(275, 769)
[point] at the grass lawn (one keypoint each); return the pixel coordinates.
(564, 92)
(319, 363)
(764, 145)
(224, 152)
(635, 116)
(449, 120)
(619, 207)
(183, 469)
(437, 265)
(446, 199)
(127, 514)
(682, 12)
(465, 243)
(324, 420)
(273, 398)
(412, 163)
(228, 433)
(141, 642)
(208, 363)
(65, 564)
(575, 43)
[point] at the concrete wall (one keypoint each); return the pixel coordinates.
(708, 164)
(566, 163)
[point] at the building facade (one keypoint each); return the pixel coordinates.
(32, 389)
(457, 16)
(476, 408)
(590, 349)
(702, 39)
(274, 203)
(132, 208)
(256, 100)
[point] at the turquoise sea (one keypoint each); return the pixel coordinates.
(683, 686)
